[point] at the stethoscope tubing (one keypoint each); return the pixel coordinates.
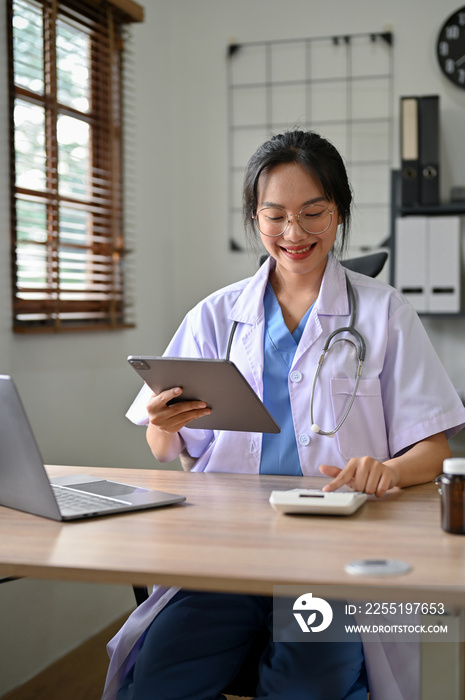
(361, 352)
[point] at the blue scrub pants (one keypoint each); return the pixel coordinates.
(196, 645)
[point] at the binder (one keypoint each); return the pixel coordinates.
(409, 143)
(428, 131)
(444, 264)
(411, 260)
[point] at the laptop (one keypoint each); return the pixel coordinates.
(25, 485)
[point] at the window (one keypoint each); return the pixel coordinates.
(69, 257)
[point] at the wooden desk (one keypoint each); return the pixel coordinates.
(226, 537)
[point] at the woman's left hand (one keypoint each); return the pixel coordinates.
(362, 474)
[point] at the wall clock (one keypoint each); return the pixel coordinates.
(450, 48)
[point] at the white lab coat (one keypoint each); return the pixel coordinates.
(404, 396)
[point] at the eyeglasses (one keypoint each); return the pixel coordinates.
(274, 221)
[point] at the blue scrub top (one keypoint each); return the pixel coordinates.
(279, 451)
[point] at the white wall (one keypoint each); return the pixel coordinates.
(76, 387)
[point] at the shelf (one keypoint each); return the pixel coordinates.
(433, 209)
(399, 211)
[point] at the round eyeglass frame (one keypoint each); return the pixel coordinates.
(276, 235)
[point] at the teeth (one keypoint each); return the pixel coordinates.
(301, 250)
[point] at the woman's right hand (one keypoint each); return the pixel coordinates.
(171, 418)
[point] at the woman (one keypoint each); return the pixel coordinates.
(297, 200)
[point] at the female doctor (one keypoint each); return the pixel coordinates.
(381, 366)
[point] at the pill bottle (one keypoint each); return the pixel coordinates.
(452, 492)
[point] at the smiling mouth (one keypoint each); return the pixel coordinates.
(298, 251)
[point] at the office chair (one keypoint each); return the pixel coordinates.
(245, 683)
(370, 265)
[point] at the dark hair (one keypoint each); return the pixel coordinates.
(319, 158)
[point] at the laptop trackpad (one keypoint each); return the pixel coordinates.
(108, 488)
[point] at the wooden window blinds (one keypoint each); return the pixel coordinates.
(68, 249)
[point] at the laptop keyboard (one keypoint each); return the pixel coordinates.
(79, 502)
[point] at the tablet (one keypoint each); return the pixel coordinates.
(234, 404)
(317, 502)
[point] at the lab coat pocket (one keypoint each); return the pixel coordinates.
(363, 433)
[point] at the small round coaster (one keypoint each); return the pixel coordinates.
(377, 567)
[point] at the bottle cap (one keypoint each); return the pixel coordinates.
(454, 465)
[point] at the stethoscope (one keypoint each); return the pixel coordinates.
(360, 349)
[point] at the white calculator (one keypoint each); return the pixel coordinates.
(317, 502)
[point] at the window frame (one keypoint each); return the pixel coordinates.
(91, 305)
